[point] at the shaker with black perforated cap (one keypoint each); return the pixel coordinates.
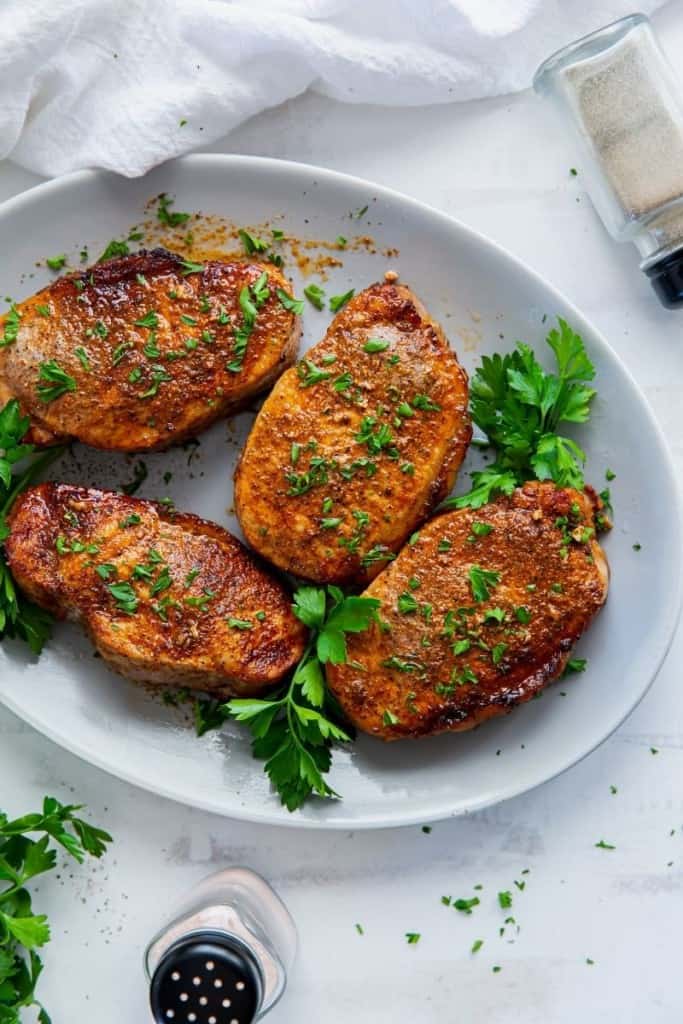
(225, 955)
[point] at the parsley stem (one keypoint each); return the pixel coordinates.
(40, 463)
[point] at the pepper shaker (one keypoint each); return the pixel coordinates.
(622, 104)
(224, 956)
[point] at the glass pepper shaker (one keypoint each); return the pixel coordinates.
(620, 100)
(225, 955)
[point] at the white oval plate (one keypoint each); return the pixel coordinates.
(486, 300)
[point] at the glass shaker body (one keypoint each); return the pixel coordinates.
(620, 99)
(238, 907)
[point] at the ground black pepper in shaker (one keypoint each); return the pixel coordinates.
(225, 955)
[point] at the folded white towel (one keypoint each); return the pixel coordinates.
(125, 84)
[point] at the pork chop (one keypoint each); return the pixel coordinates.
(477, 616)
(142, 352)
(166, 598)
(356, 445)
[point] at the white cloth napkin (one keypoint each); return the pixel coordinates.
(126, 84)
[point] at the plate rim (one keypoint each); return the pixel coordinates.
(397, 818)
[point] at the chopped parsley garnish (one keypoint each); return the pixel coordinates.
(482, 581)
(341, 241)
(476, 945)
(406, 603)
(337, 301)
(497, 653)
(56, 262)
(302, 483)
(131, 520)
(202, 602)
(481, 529)
(465, 906)
(574, 665)
(252, 244)
(389, 718)
(519, 407)
(402, 664)
(289, 303)
(331, 522)
(242, 624)
(444, 545)
(53, 382)
(523, 615)
(343, 382)
(159, 376)
(252, 298)
(412, 938)
(124, 596)
(114, 250)
(494, 615)
(378, 553)
(166, 216)
(43, 310)
(82, 357)
(315, 295)
(310, 374)
(602, 845)
(120, 351)
(425, 403)
(505, 899)
(375, 345)
(150, 319)
(162, 582)
(191, 268)
(106, 570)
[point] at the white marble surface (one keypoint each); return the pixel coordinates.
(500, 166)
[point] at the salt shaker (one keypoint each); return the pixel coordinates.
(224, 956)
(620, 99)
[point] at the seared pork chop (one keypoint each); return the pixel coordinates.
(142, 352)
(167, 598)
(477, 616)
(356, 446)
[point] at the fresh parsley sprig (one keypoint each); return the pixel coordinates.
(519, 407)
(22, 859)
(293, 730)
(19, 617)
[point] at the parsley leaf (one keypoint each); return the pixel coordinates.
(53, 382)
(337, 301)
(289, 303)
(166, 216)
(18, 616)
(519, 407)
(294, 729)
(21, 859)
(113, 250)
(315, 295)
(482, 581)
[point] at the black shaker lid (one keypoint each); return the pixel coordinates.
(666, 277)
(206, 978)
